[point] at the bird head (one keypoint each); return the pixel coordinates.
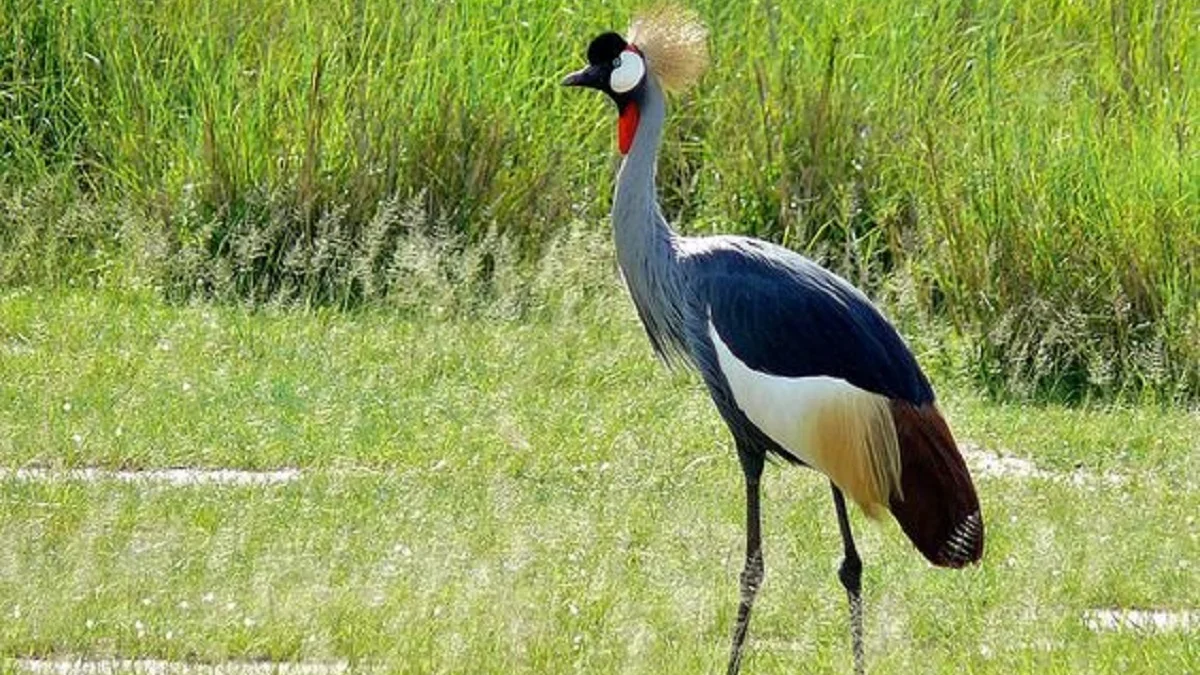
(667, 43)
(618, 69)
(615, 67)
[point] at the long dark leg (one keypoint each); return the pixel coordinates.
(752, 572)
(851, 576)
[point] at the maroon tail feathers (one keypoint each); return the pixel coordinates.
(938, 510)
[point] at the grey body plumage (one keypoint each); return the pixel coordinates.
(675, 281)
(661, 273)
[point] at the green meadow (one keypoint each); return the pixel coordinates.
(365, 244)
(496, 496)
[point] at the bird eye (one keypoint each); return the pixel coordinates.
(616, 63)
(627, 73)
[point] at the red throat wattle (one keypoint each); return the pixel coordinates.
(627, 127)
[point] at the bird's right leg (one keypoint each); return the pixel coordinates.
(752, 572)
(851, 577)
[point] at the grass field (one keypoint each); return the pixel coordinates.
(362, 246)
(503, 496)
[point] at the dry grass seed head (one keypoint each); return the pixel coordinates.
(675, 43)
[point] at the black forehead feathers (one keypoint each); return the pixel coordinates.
(605, 48)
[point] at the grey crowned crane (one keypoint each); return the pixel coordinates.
(800, 364)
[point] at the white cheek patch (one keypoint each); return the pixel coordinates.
(628, 73)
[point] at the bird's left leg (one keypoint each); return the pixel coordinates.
(752, 572)
(851, 577)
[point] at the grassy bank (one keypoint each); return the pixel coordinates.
(487, 496)
(1024, 172)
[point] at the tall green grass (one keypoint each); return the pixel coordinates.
(1025, 171)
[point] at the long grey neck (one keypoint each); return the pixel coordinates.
(638, 222)
(646, 245)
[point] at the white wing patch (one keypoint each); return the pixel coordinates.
(779, 406)
(843, 431)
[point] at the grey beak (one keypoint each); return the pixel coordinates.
(588, 77)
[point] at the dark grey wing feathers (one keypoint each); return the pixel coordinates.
(783, 314)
